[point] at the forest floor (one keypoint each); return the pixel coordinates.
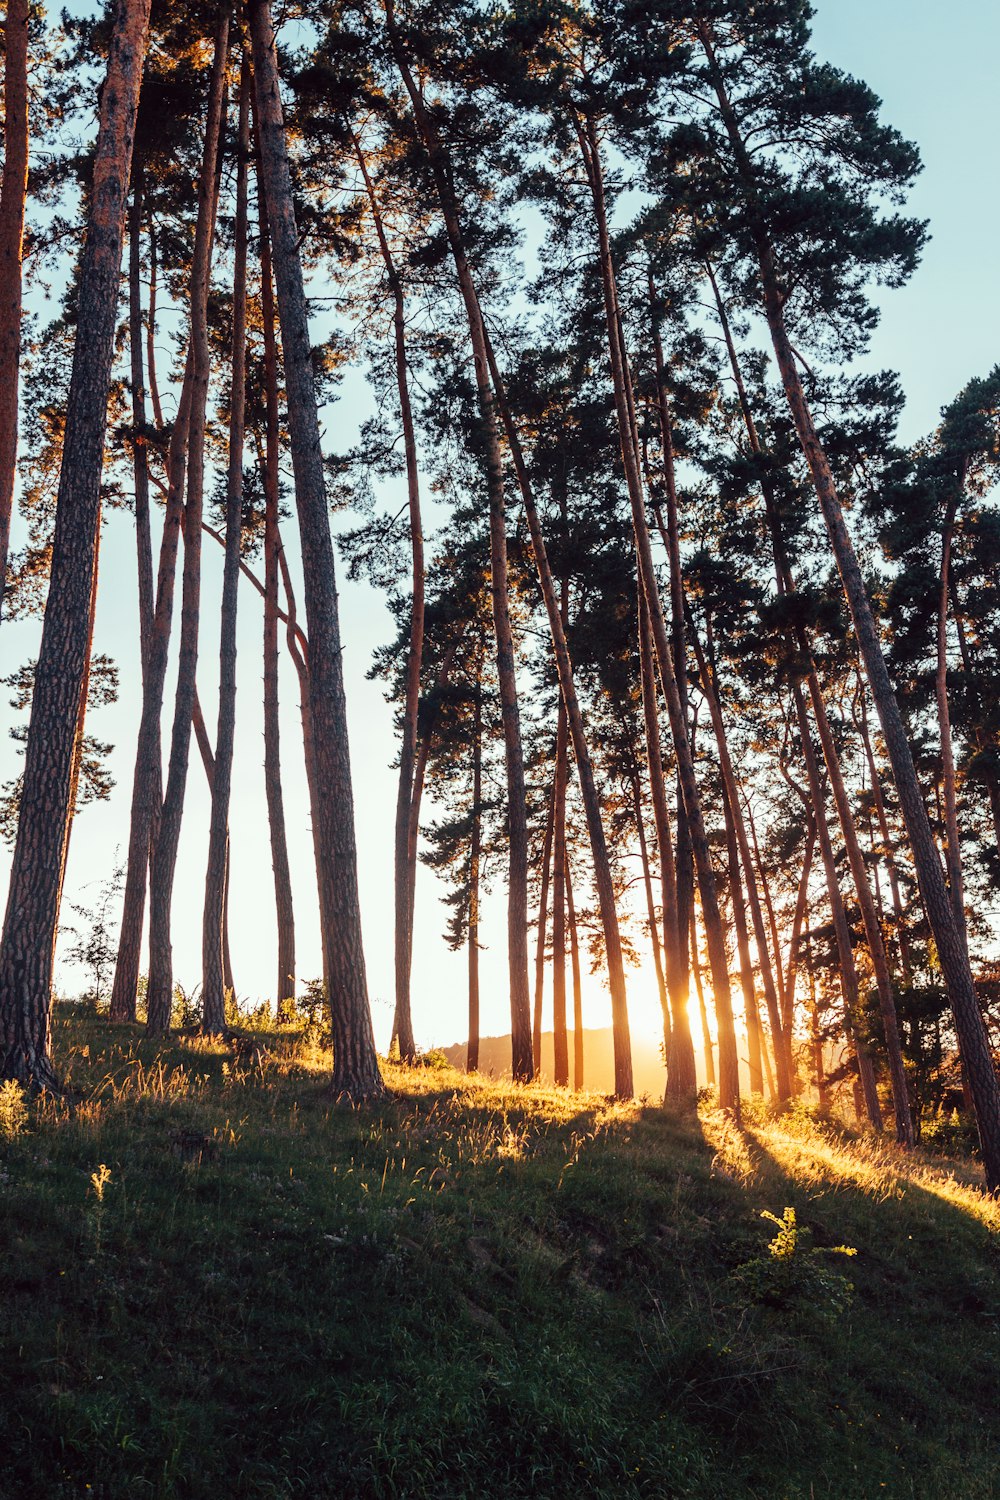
(217, 1284)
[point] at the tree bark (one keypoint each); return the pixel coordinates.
(953, 847)
(163, 863)
(706, 1035)
(26, 951)
(13, 195)
(213, 994)
(540, 937)
(355, 1065)
(754, 1039)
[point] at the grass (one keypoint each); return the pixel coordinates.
(216, 1284)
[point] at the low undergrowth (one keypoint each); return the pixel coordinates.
(218, 1284)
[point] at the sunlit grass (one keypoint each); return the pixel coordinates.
(473, 1289)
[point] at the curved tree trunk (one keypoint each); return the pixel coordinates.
(26, 951)
(355, 1063)
(13, 194)
(213, 994)
(163, 864)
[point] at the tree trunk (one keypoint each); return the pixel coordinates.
(574, 945)
(952, 954)
(706, 1035)
(475, 857)
(283, 902)
(163, 864)
(782, 1050)
(729, 1088)
(560, 1040)
(647, 885)
(542, 933)
(208, 761)
(13, 194)
(355, 1064)
(860, 716)
(754, 1039)
(26, 952)
(213, 993)
(794, 942)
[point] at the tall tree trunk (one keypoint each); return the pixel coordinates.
(794, 942)
(729, 1088)
(754, 1038)
(402, 1025)
(782, 1049)
(706, 1035)
(560, 1040)
(13, 194)
(647, 885)
(26, 951)
(517, 885)
(208, 762)
(475, 859)
(281, 868)
(845, 953)
(574, 945)
(542, 933)
(682, 1078)
(213, 977)
(164, 856)
(355, 1063)
(860, 715)
(952, 955)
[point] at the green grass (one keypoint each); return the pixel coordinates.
(474, 1290)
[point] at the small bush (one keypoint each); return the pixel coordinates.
(794, 1274)
(13, 1110)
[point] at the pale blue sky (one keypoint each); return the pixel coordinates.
(938, 80)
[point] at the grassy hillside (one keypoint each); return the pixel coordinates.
(217, 1285)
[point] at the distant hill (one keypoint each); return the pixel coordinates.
(648, 1069)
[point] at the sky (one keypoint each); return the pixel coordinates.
(937, 79)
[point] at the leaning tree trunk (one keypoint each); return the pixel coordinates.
(647, 885)
(13, 193)
(953, 847)
(159, 994)
(355, 1063)
(706, 1035)
(283, 901)
(213, 994)
(952, 955)
(795, 941)
(729, 1087)
(754, 1038)
(27, 948)
(860, 715)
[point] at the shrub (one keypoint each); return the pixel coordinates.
(13, 1109)
(794, 1274)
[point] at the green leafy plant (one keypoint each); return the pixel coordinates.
(795, 1274)
(13, 1109)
